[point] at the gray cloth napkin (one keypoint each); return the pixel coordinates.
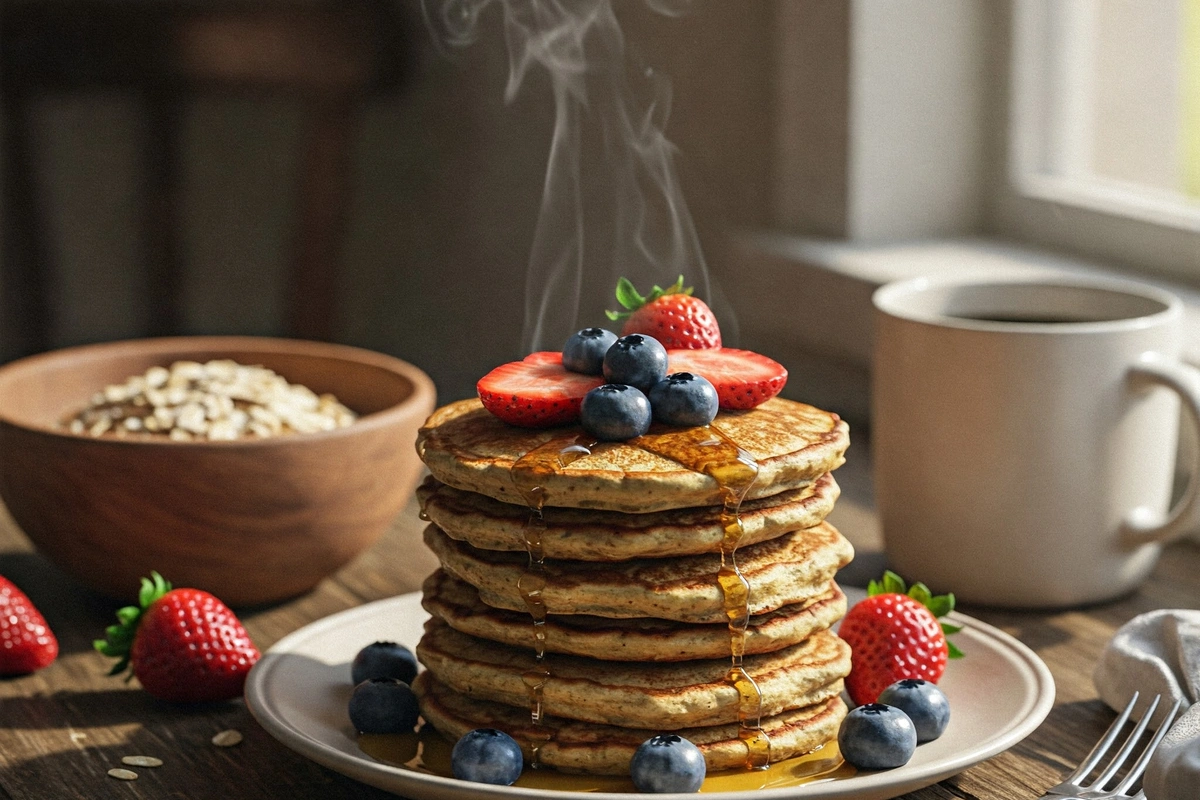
(1159, 653)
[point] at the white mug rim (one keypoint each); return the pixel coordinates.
(888, 299)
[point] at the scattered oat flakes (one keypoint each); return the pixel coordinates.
(122, 774)
(142, 761)
(217, 400)
(229, 738)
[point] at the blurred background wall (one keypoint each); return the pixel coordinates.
(445, 186)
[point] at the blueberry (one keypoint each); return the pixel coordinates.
(667, 763)
(584, 351)
(486, 755)
(684, 399)
(383, 705)
(924, 703)
(637, 360)
(383, 660)
(876, 736)
(615, 412)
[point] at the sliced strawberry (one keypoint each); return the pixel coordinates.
(544, 357)
(743, 379)
(535, 394)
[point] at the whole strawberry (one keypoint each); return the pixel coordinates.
(26, 642)
(672, 316)
(184, 644)
(895, 634)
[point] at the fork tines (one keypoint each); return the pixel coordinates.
(1098, 788)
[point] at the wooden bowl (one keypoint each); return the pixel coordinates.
(251, 520)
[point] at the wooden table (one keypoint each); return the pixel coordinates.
(62, 729)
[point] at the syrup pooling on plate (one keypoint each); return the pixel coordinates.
(529, 473)
(428, 752)
(708, 450)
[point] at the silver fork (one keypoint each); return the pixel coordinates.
(1074, 788)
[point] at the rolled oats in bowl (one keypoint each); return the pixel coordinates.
(220, 399)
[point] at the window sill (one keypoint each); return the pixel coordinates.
(807, 301)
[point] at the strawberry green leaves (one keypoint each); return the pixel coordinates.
(118, 640)
(632, 300)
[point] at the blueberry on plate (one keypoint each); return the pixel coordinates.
(684, 399)
(486, 755)
(925, 704)
(876, 736)
(383, 660)
(636, 360)
(615, 412)
(667, 763)
(584, 351)
(383, 705)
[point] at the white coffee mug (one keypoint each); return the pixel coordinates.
(1024, 443)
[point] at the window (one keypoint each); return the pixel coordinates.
(1107, 104)
(1105, 130)
(935, 136)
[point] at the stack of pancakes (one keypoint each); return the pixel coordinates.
(579, 606)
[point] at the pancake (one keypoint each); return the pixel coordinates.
(793, 444)
(581, 535)
(793, 568)
(663, 696)
(457, 603)
(606, 749)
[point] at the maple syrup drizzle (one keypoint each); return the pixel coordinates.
(422, 514)
(707, 450)
(529, 473)
(710, 451)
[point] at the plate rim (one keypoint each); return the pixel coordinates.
(419, 784)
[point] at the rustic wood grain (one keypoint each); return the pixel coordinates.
(63, 728)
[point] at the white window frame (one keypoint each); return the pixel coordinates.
(1136, 230)
(867, 192)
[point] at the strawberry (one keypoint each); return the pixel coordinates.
(26, 642)
(671, 315)
(535, 393)
(185, 645)
(743, 379)
(894, 634)
(544, 357)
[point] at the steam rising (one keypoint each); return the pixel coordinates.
(610, 170)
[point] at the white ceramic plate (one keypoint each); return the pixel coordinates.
(299, 690)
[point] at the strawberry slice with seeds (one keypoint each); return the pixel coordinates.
(743, 379)
(538, 393)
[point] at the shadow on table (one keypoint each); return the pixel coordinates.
(77, 615)
(72, 758)
(67, 709)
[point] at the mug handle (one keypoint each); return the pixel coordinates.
(1144, 525)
